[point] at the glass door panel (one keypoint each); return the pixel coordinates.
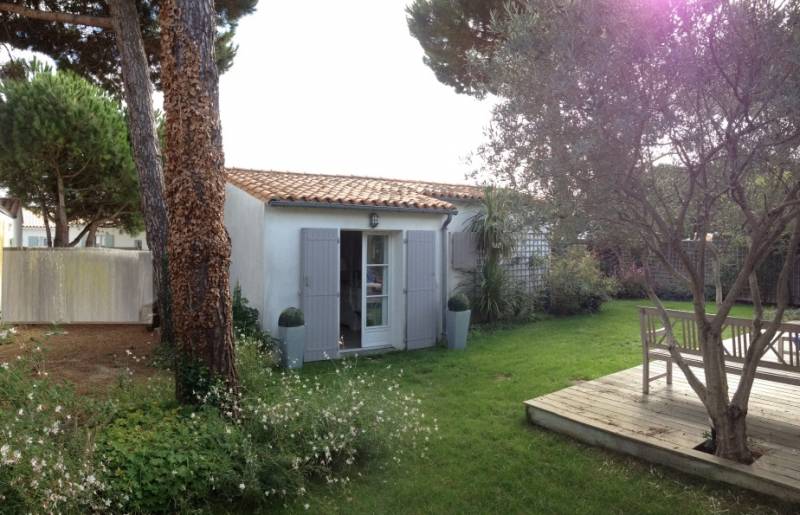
(376, 281)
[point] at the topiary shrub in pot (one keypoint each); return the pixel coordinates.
(292, 333)
(458, 314)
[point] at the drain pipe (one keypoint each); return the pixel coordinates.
(444, 272)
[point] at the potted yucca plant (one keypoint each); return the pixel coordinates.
(292, 333)
(458, 314)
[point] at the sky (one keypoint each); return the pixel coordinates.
(340, 87)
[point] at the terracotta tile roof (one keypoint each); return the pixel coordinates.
(350, 189)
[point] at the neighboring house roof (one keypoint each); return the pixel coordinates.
(10, 206)
(350, 190)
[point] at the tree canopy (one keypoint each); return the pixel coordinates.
(458, 36)
(64, 151)
(89, 50)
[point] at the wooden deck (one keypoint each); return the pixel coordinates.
(665, 426)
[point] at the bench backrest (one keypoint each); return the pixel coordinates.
(782, 353)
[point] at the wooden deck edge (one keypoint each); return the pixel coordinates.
(686, 460)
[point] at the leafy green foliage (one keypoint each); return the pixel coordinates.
(291, 317)
(167, 460)
(245, 322)
(494, 295)
(64, 145)
(458, 302)
(139, 452)
(575, 283)
(500, 218)
(93, 53)
(496, 223)
(456, 35)
(631, 282)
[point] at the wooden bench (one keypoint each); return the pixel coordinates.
(779, 363)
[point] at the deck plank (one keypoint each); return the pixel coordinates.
(664, 426)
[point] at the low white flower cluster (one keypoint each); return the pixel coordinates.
(325, 423)
(38, 457)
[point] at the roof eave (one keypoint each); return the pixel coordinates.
(363, 207)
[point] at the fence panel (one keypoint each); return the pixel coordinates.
(76, 285)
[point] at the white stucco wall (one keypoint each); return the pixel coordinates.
(460, 223)
(244, 219)
(6, 230)
(266, 251)
(122, 240)
(282, 255)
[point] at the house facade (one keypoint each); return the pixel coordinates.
(368, 260)
(31, 233)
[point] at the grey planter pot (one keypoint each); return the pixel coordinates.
(293, 345)
(457, 329)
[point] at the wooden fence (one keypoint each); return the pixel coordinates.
(76, 285)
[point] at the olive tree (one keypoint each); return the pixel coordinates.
(596, 96)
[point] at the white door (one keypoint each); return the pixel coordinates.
(376, 270)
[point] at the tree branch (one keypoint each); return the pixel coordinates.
(101, 22)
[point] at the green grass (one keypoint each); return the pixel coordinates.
(489, 459)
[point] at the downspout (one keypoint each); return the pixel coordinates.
(444, 273)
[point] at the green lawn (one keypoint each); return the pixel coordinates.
(489, 459)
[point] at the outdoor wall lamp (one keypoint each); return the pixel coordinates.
(373, 220)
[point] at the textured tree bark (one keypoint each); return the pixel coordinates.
(146, 151)
(46, 220)
(55, 16)
(91, 236)
(198, 245)
(62, 224)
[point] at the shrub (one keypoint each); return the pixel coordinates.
(291, 317)
(169, 460)
(323, 426)
(673, 292)
(245, 322)
(458, 302)
(46, 454)
(575, 283)
(494, 297)
(631, 281)
(152, 456)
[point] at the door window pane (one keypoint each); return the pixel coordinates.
(376, 250)
(376, 311)
(376, 285)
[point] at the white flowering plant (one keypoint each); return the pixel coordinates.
(137, 451)
(46, 450)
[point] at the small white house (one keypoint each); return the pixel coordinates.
(32, 234)
(367, 259)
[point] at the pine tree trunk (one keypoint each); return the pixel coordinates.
(199, 246)
(146, 151)
(62, 224)
(91, 236)
(46, 219)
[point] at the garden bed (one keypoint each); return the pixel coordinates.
(91, 357)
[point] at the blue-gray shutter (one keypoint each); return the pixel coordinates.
(320, 292)
(422, 310)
